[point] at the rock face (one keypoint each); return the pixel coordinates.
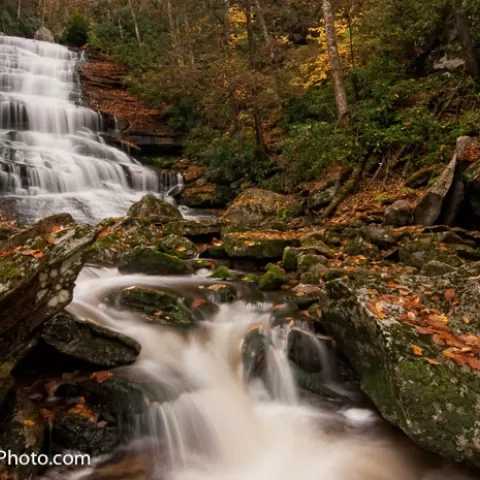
(414, 342)
(44, 34)
(206, 196)
(89, 342)
(153, 208)
(254, 206)
(37, 274)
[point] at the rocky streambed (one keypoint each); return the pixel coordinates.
(345, 316)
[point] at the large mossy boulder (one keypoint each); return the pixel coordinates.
(254, 206)
(268, 244)
(154, 209)
(156, 306)
(89, 342)
(414, 343)
(151, 262)
(273, 279)
(38, 268)
(195, 229)
(177, 246)
(419, 252)
(118, 236)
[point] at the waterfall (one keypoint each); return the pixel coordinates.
(52, 155)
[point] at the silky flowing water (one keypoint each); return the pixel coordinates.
(217, 424)
(53, 157)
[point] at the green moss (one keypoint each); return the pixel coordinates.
(273, 279)
(177, 246)
(222, 273)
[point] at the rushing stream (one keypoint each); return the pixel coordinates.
(53, 157)
(219, 424)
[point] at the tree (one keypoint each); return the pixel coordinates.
(337, 73)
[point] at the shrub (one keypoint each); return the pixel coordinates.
(77, 30)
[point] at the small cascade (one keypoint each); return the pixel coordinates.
(52, 155)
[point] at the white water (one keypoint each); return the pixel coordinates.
(52, 156)
(217, 428)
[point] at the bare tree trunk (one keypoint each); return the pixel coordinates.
(135, 24)
(337, 74)
(260, 16)
(464, 31)
(19, 9)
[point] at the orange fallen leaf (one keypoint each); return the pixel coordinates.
(32, 253)
(432, 361)
(417, 350)
(449, 294)
(28, 422)
(100, 377)
(198, 302)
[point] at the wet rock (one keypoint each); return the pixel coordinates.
(152, 262)
(222, 273)
(358, 246)
(76, 432)
(304, 294)
(154, 209)
(418, 253)
(118, 236)
(89, 342)
(413, 359)
(215, 252)
(429, 209)
(313, 274)
(291, 255)
(305, 350)
(399, 213)
(313, 241)
(273, 278)
(472, 186)
(44, 34)
(434, 268)
(254, 354)
(254, 206)
(261, 245)
(305, 262)
(206, 196)
(177, 246)
(321, 198)
(379, 236)
(422, 177)
(220, 293)
(204, 229)
(37, 277)
(22, 432)
(157, 306)
(193, 173)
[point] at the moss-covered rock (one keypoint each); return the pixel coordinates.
(254, 206)
(37, 276)
(195, 229)
(358, 246)
(420, 252)
(152, 262)
(154, 209)
(262, 245)
(118, 236)
(411, 352)
(421, 178)
(291, 255)
(313, 274)
(305, 262)
(215, 252)
(222, 273)
(313, 241)
(177, 246)
(219, 293)
(156, 306)
(89, 342)
(434, 268)
(273, 278)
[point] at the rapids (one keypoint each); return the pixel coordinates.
(53, 157)
(221, 425)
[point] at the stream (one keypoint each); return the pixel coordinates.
(221, 424)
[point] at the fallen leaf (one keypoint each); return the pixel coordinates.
(449, 294)
(101, 424)
(198, 302)
(417, 350)
(181, 248)
(433, 361)
(28, 422)
(465, 320)
(32, 253)
(411, 316)
(100, 377)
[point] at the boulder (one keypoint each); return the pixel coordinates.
(177, 246)
(89, 342)
(313, 274)
(222, 273)
(268, 244)
(429, 209)
(219, 293)
(420, 252)
(206, 196)
(118, 236)
(195, 229)
(291, 255)
(38, 268)
(314, 240)
(399, 213)
(254, 206)
(156, 306)
(379, 236)
(154, 209)
(44, 34)
(151, 262)
(415, 345)
(273, 279)
(305, 262)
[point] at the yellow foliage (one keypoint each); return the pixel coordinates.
(314, 70)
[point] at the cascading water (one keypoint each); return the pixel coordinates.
(217, 425)
(52, 156)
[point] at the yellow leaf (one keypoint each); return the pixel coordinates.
(417, 350)
(28, 422)
(465, 320)
(181, 248)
